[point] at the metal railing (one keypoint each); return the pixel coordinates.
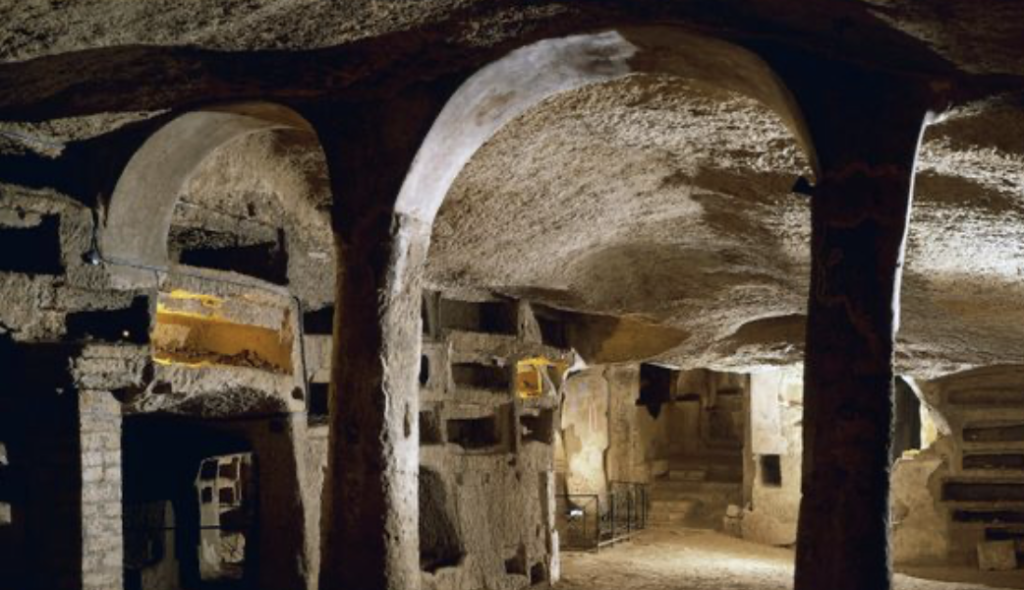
(593, 521)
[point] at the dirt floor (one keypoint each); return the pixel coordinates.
(698, 560)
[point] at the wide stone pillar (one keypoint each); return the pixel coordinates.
(374, 443)
(370, 535)
(859, 213)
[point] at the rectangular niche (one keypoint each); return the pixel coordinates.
(989, 516)
(987, 397)
(319, 322)
(317, 408)
(267, 261)
(553, 331)
(32, 250)
(430, 428)
(771, 471)
(129, 324)
(982, 491)
(485, 434)
(489, 317)
(183, 336)
(995, 461)
(539, 428)
(994, 433)
(479, 376)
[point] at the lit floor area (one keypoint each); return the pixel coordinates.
(698, 559)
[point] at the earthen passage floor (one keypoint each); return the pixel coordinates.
(699, 560)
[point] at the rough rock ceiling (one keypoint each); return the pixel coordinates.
(977, 37)
(649, 198)
(670, 202)
(62, 59)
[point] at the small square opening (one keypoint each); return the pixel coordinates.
(771, 471)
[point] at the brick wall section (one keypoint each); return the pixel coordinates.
(102, 537)
(98, 371)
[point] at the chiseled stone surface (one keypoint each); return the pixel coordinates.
(997, 555)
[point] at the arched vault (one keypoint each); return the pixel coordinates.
(510, 86)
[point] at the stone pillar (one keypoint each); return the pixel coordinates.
(370, 511)
(371, 535)
(859, 214)
(99, 418)
(282, 555)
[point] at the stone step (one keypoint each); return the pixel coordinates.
(721, 461)
(672, 516)
(671, 519)
(659, 507)
(709, 458)
(680, 484)
(708, 492)
(712, 474)
(718, 466)
(704, 495)
(700, 517)
(688, 474)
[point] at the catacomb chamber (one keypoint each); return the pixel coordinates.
(616, 309)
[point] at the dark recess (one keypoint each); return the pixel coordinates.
(477, 376)
(538, 428)
(771, 471)
(318, 394)
(474, 433)
(32, 250)
(994, 433)
(1012, 462)
(267, 261)
(430, 428)
(130, 324)
(491, 317)
(440, 545)
(553, 333)
(989, 516)
(424, 370)
(656, 385)
(975, 491)
(319, 322)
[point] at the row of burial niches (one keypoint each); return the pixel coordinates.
(204, 436)
(490, 373)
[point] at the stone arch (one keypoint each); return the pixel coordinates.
(137, 217)
(507, 88)
(133, 245)
(373, 472)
